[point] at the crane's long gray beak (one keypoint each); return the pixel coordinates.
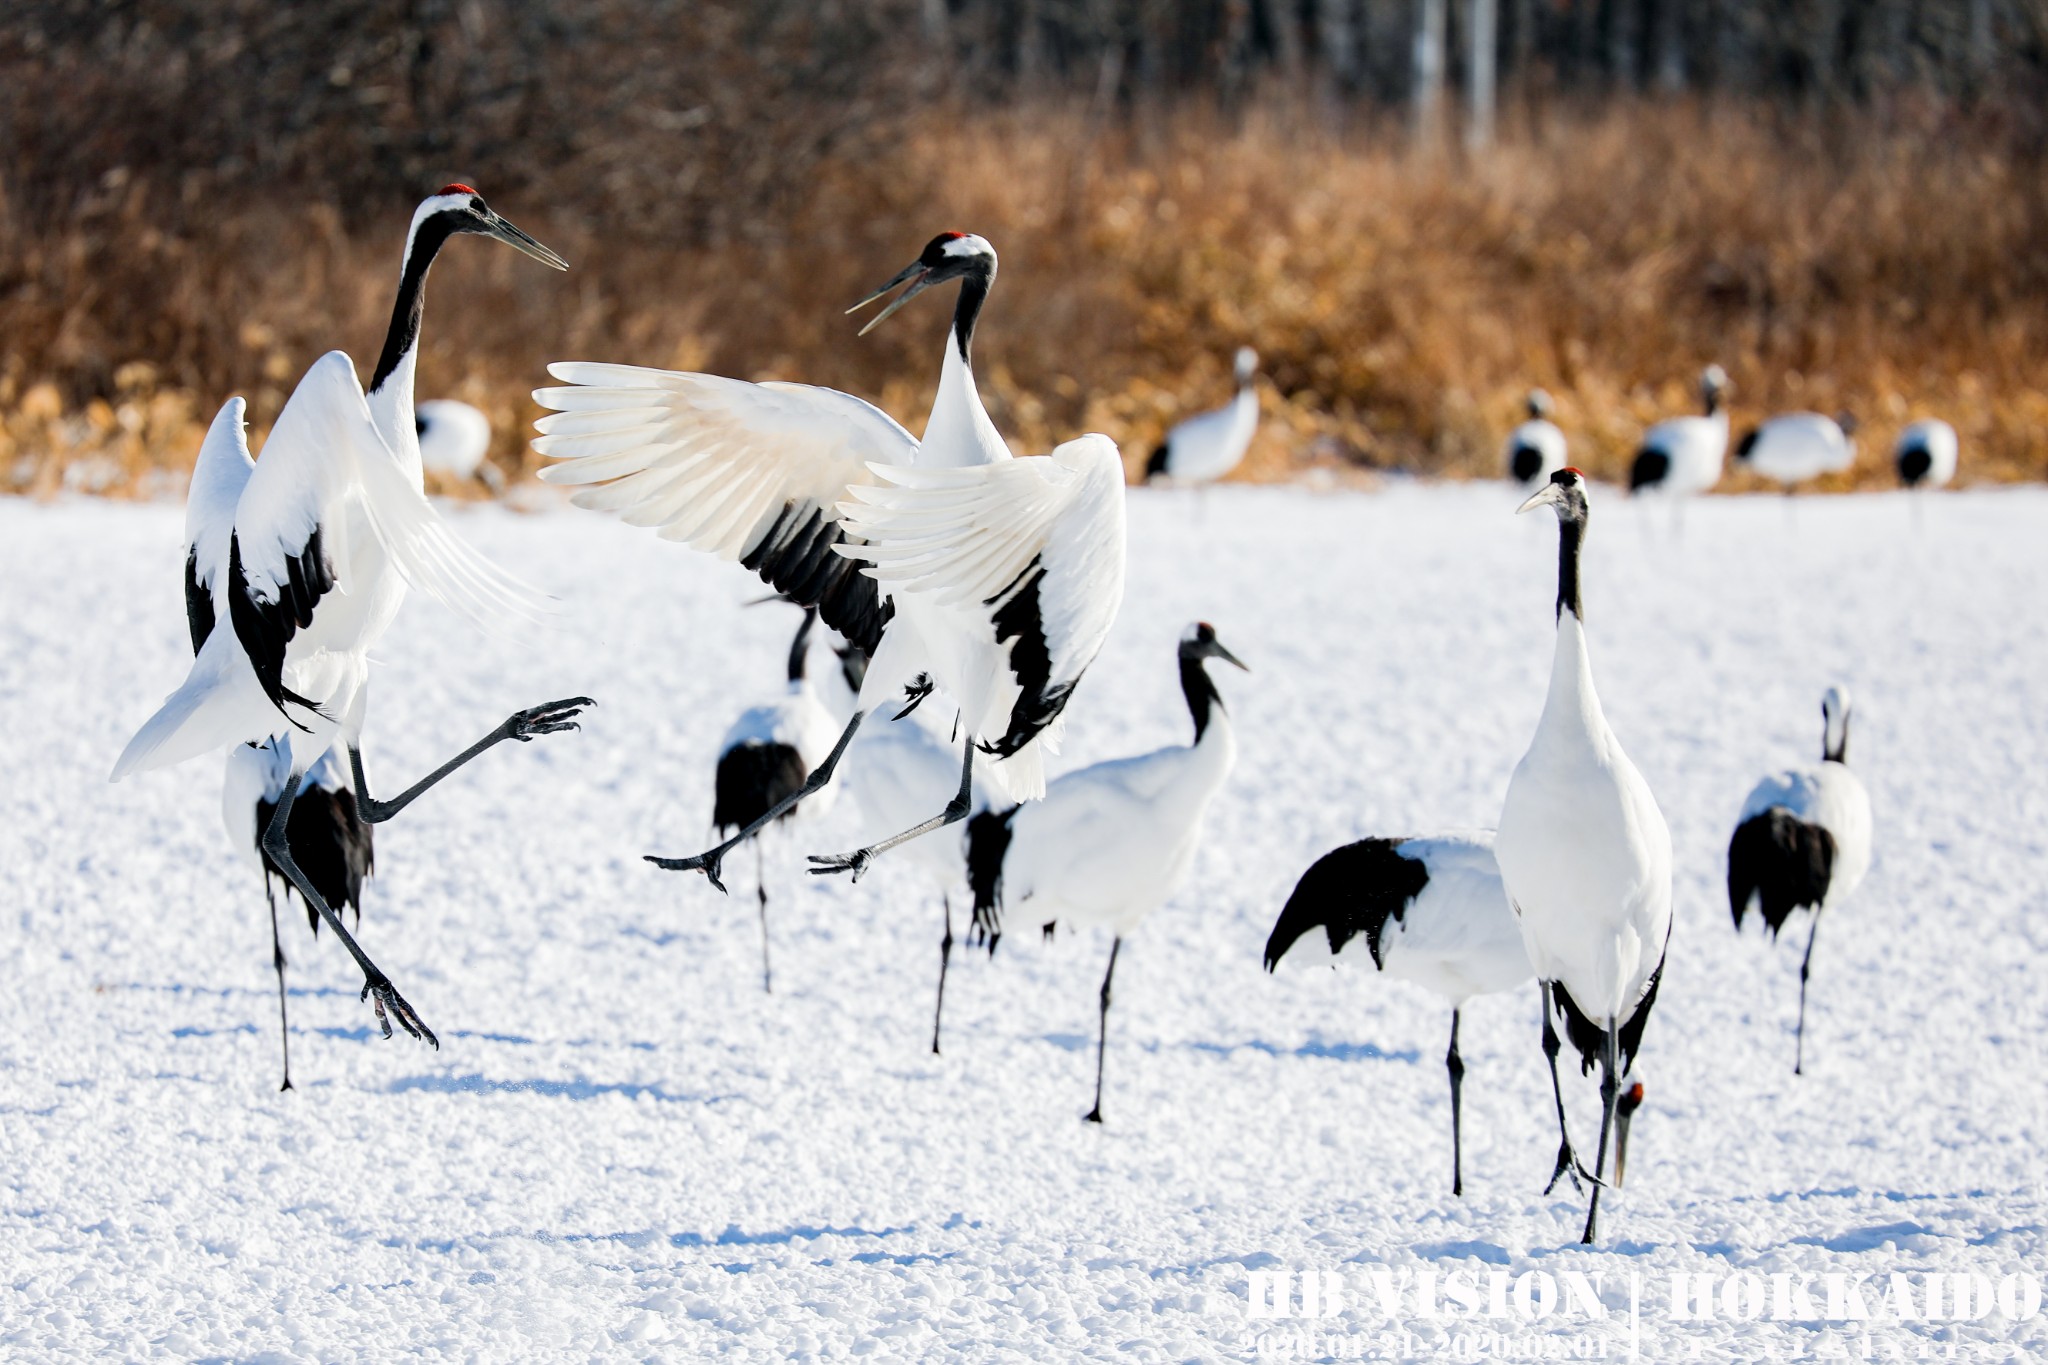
(519, 241)
(916, 272)
(1546, 496)
(1216, 648)
(1624, 1114)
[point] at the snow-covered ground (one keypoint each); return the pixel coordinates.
(625, 1150)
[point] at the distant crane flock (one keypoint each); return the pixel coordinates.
(945, 566)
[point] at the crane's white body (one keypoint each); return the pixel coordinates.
(1695, 447)
(338, 494)
(799, 720)
(1207, 446)
(1796, 446)
(258, 772)
(1832, 798)
(454, 438)
(903, 770)
(1458, 937)
(1541, 435)
(1935, 439)
(1111, 843)
(325, 469)
(1584, 852)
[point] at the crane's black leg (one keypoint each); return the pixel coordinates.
(1805, 969)
(1102, 1036)
(1567, 1161)
(520, 725)
(709, 861)
(389, 1003)
(1456, 1066)
(945, 957)
(284, 1026)
(1610, 1091)
(761, 889)
(858, 861)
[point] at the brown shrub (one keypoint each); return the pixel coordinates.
(1401, 304)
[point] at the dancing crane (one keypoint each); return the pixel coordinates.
(308, 554)
(950, 563)
(1586, 859)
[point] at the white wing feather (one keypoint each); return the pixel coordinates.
(326, 460)
(218, 478)
(963, 536)
(707, 460)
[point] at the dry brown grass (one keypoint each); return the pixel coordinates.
(1402, 305)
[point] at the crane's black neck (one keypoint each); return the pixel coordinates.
(404, 333)
(1571, 537)
(1711, 398)
(1830, 751)
(800, 648)
(974, 287)
(1200, 692)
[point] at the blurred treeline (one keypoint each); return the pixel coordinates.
(1414, 208)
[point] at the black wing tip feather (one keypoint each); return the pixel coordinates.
(266, 628)
(795, 557)
(332, 844)
(752, 777)
(1650, 467)
(1348, 891)
(1779, 862)
(988, 842)
(1590, 1038)
(198, 602)
(1018, 618)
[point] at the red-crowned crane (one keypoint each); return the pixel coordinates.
(1586, 858)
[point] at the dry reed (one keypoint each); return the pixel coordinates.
(1402, 304)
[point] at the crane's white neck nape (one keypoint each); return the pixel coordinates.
(960, 432)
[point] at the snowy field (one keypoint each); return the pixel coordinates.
(624, 1150)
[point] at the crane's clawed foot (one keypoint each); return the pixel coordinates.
(391, 1005)
(707, 863)
(545, 719)
(856, 862)
(1093, 1115)
(1568, 1165)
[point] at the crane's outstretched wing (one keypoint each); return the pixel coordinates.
(326, 478)
(1036, 544)
(749, 472)
(218, 479)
